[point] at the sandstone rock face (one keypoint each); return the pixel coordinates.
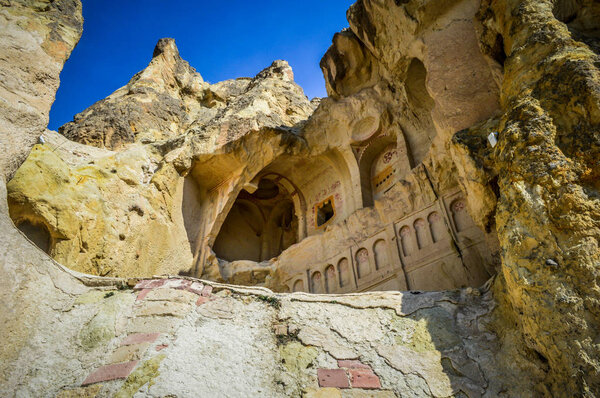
(360, 195)
(390, 183)
(547, 165)
(125, 212)
(88, 201)
(37, 38)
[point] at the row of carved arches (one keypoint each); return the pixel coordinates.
(424, 233)
(363, 263)
(333, 278)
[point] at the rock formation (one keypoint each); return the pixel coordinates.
(239, 181)
(459, 141)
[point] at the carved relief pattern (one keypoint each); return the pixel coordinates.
(436, 227)
(426, 229)
(344, 272)
(383, 169)
(406, 241)
(380, 249)
(462, 220)
(330, 284)
(317, 282)
(298, 286)
(362, 261)
(421, 231)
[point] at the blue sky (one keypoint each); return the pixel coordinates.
(221, 39)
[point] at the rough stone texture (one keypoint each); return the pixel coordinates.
(123, 213)
(453, 352)
(37, 38)
(547, 168)
(114, 214)
(531, 331)
(181, 178)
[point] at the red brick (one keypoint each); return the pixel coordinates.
(161, 347)
(202, 300)
(364, 378)
(142, 294)
(352, 364)
(110, 372)
(137, 338)
(333, 378)
(207, 291)
(149, 284)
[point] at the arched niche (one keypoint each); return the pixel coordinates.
(460, 216)
(436, 227)
(419, 128)
(260, 225)
(383, 171)
(312, 181)
(344, 272)
(281, 230)
(330, 279)
(407, 241)
(378, 165)
(298, 286)
(380, 249)
(316, 280)
(421, 231)
(362, 263)
(37, 233)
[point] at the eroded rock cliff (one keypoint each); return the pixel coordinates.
(118, 210)
(547, 165)
(391, 183)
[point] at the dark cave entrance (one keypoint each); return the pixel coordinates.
(260, 225)
(38, 234)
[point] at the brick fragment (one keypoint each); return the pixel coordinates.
(195, 287)
(138, 338)
(352, 364)
(110, 372)
(142, 294)
(207, 291)
(149, 284)
(364, 378)
(333, 378)
(202, 300)
(161, 347)
(177, 283)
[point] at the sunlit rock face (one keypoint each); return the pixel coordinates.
(125, 208)
(459, 141)
(367, 195)
(546, 164)
(37, 38)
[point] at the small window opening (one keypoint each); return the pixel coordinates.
(325, 212)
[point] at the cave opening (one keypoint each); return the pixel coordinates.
(38, 234)
(260, 225)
